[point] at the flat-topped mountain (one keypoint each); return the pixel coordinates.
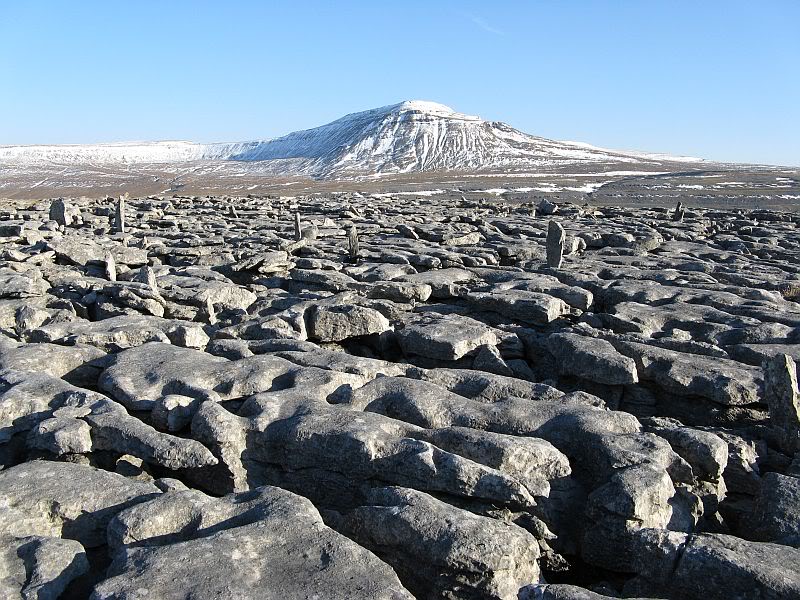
(413, 146)
(413, 136)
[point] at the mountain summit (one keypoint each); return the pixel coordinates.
(418, 135)
(412, 136)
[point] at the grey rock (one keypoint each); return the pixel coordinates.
(441, 551)
(29, 317)
(27, 399)
(141, 376)
(489, 359)
(399, 291)
(521, 305)
(79, 364)
(555, 244)
(62, 435)
(268, 543)
(445, 337)
(78, 251)
(365, 447)
(783, 398)
(39, 568)
(340, 322)
(199, 287)
(722, 381)
(64, 213)
(110, 267)
(706, 452)
(76, 502)
(713, 566)
(119, 214)
(777, 510)
(119, 333)
(147, 276)
(562, 591)
(547, 208)
(27, 284)
(591, 358)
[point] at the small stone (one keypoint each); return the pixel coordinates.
(352, 243)
(148, 276)
(64, 213)
(29, 318)
(110, 267)
(62, 435)
(547, 208)
(338, 323)
(488, 359)
(445, 337)
(210, 312)
(173, 412)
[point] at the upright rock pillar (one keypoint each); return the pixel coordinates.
(555, 245)
(783, 399)
(119, 214)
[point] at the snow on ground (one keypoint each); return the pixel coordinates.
(420, 193)
(588, 188)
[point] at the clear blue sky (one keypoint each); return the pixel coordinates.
(718, 79)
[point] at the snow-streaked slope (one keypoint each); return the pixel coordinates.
(408, 137)
(122, 152)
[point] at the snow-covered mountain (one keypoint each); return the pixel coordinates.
(412, 136)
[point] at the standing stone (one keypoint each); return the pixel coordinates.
(232, 211)
(111, 267)
(555, 244)
(119, 214)
(298, 232)
(679, 212)
(58, 211)
(783, 399)
(352, 241)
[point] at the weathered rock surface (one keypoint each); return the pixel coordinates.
(72, 501)
(445, 337)
(713, 566)
(443, 551)
(776, 514)
(337, 323)
(39, 568)
(267, 543)
(593, 359)
(479, 401)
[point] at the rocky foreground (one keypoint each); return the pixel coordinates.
(353, 397)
